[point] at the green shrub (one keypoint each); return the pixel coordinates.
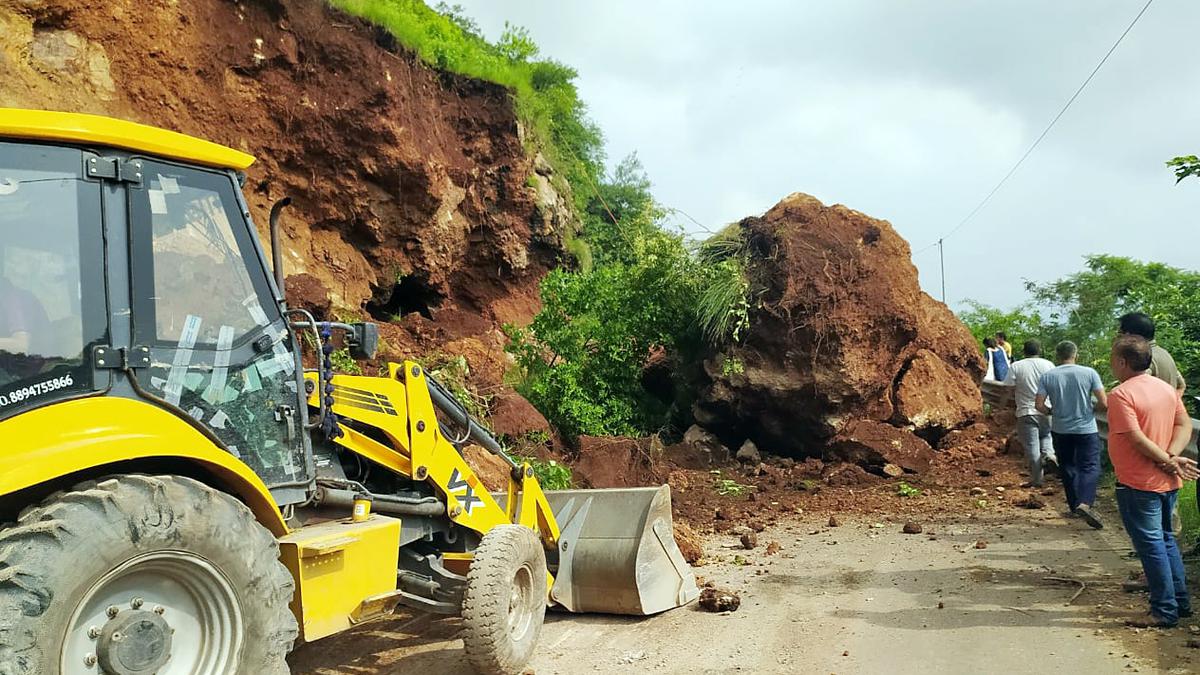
(344, 363)
(550, 475)
(723, 308)
(1187, 511)
(906, 490)
(454, 374)
(582, 357)
(727, 487)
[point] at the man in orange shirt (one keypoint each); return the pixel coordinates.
(1148, 428)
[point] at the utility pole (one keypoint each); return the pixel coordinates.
(942, 260)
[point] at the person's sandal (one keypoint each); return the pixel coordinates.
(1090, 516)
(1149, 620)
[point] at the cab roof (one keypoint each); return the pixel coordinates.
(95, 130)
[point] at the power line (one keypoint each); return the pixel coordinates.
(1050, 126)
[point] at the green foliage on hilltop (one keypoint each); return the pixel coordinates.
(543, 90)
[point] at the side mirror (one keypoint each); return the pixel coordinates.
(363, 340)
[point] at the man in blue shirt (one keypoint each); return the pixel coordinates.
(1068, 389)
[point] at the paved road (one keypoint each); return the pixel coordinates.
(851, 599)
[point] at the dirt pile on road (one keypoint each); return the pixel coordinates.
(841, 333)
(414, 198)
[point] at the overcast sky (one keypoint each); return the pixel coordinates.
(907, 111)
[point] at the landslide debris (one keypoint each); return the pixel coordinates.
(842, 343)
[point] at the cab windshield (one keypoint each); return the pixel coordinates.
(51, 283)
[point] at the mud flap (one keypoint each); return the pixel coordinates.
(617, 553)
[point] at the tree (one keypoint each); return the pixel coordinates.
(1084, 307)
(621, 214)
(516, 44)
(1187, 165)
(584, 353)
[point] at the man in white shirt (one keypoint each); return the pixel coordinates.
(1033, 428)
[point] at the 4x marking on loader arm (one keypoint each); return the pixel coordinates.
(468, 498)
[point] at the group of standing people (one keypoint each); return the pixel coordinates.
(1148, 429)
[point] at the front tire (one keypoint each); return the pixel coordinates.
(505, 601)
(143, 575)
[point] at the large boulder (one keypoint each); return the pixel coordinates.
(840, 332)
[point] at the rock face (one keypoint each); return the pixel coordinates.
(931, 393)
(414, 199)
(841, 332)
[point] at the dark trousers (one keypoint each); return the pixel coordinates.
(1078, 466)
(1147, 519)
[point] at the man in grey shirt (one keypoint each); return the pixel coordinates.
(1162, 364)
(1069, 389)
(1033, 427)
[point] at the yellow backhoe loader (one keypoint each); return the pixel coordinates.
(179, 495)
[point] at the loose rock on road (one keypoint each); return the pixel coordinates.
(860, 598)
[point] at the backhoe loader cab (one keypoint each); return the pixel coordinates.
(181, 496)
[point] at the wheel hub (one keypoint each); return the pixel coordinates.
(134, 642)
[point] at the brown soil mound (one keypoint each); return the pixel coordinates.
(843, 332)
(609, 462)
(691, 545)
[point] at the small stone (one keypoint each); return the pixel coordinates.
(982, 543)
(912, 528)
(749, 540)
(846, 653)
(892, 471)
(941, 605)
(978, 492)
(749, 454)
(1031, 502)
(833, 521)
(773, 548)
(1193, 643)
(718, 600)
(1000, 489)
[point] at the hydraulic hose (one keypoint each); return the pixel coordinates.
(445, 402)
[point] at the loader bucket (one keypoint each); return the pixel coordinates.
(617, 552)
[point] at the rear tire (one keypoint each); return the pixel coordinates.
(505, 601)
(124, 573)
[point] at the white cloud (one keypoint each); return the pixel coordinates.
(906, 111)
